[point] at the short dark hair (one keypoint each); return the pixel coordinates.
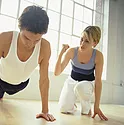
(34, 19)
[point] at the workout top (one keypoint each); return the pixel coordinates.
(82, 71)
(14, 71)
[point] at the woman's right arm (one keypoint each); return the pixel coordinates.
(61, 64)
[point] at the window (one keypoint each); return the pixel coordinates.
(54, 5)
(42, 3)
(8, 9)
(77, 27)
(67, 8)
(66, 24)
(89, 3)
(6, 21)
(54, 20)
(78, 13)
(68, 18)
(88, 16)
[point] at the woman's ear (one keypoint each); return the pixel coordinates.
(95, 43)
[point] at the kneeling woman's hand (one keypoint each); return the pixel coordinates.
(100, 114)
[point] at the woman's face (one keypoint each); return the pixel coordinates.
(29, 39)
(85, 43)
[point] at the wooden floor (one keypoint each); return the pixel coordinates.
(20, 112)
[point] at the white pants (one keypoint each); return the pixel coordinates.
(73, 90)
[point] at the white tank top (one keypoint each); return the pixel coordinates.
(14, 71)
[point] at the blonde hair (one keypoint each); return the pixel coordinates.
(93, 32)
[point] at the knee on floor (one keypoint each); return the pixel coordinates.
(66, 109)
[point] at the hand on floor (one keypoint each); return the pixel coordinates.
(46, 116)
(100, 114)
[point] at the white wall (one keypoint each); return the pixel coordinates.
(115, 49)
(112, 91)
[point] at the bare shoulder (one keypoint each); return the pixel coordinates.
(5, 40)
(6, 36)
(99, 56)
(45, 50)
(45, 43)
(70, 52)
(45, 46)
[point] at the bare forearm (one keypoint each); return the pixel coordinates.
(44, 91)
(98, 88)
(58, 65)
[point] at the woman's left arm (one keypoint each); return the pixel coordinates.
(98, 85)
